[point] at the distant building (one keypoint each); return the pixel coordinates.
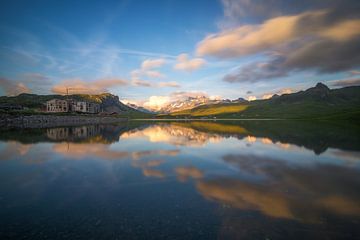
(86, 107)
(57, 105)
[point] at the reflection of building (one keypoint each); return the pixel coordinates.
(73, 133)
(58, 105)
(58, 133)
(85, 131)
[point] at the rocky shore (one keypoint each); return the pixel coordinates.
(41, 121)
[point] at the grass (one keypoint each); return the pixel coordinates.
(211, 110)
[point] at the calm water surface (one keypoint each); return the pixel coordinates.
(181, 180)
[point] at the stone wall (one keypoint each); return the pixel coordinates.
(39, 121)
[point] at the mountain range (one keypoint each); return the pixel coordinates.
(316, 102)
(108, 102)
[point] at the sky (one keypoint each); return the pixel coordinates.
(154, 52)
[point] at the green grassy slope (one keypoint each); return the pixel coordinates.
(315, 103)
(211, 110)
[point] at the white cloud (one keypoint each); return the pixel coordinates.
(156, 102)
(152, 63)
(186, 64)
(143, 83)
(147, 69)
(251, 98)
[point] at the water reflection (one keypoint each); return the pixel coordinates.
(251, 180)
(285, 191)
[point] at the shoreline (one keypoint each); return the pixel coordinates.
(44, 121)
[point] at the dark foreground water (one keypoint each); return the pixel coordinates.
(181, 180)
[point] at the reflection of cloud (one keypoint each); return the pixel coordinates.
(266, 141)
(140, 154)
(184, 173)
(251, 139)
(246, 197)
(153, 173)
(82, 150)
(14, 149)
(151, 163)
(349, 157)
(286, 191)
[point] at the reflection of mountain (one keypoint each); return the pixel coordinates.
(174, 134)
(317, 136)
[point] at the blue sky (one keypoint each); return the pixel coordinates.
(154, 52)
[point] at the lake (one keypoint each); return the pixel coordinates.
(182, 180)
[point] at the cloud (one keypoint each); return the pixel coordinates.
(152, 63)
(156, 102)
(354, 72)
(181, 95)
(240, 11)
(186, 64)
(90, 87)
(168, 84)
(258, 71)
(251, 98)
(143, 83)
(280, 92)
(323, 40)
(346, 82)
(250, 39)
(13, 87)
(147, 67)
(323, 56)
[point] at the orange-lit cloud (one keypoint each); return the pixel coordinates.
(282, 91)
(186, 64)
(152, 63)
(12, 87)
(249, 39)
(90, 87)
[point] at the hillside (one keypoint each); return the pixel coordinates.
(107, 101)
(315, 102)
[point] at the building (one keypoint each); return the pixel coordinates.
(86, 107)
(57, 105)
